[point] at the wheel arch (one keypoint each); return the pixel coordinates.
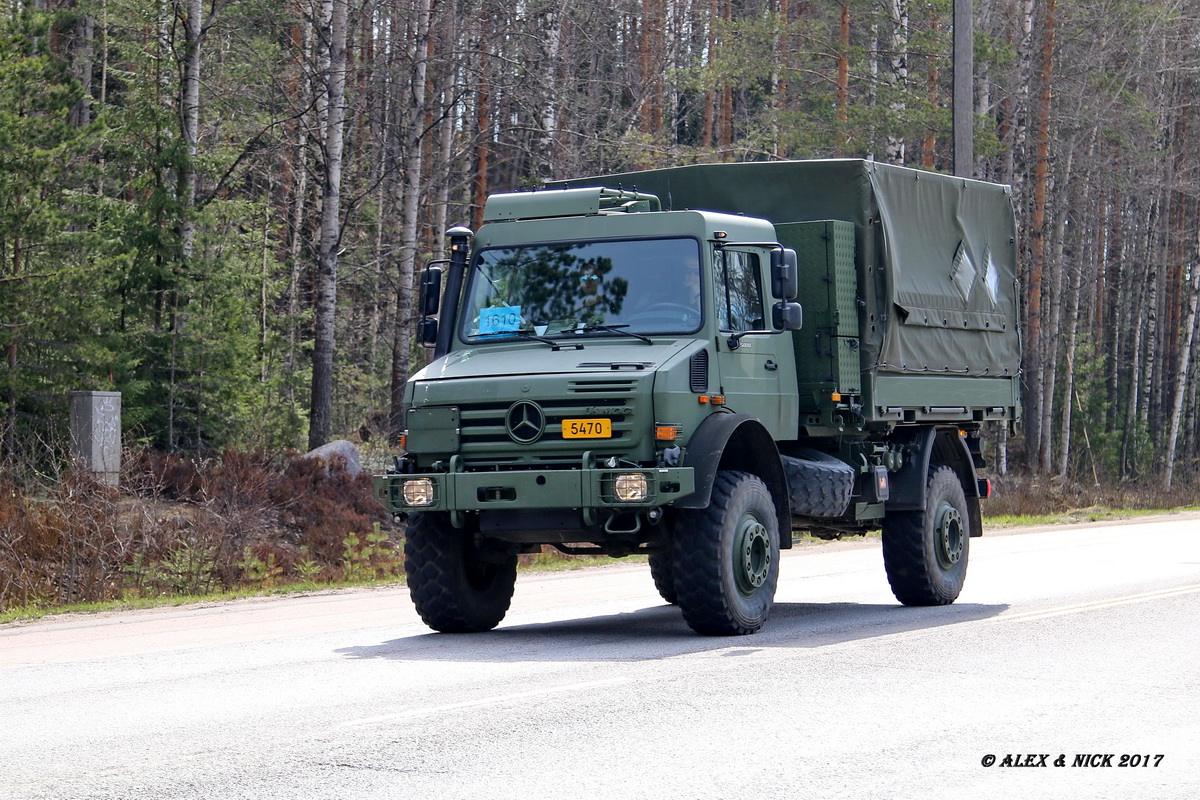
(928, 445)
(738, 442)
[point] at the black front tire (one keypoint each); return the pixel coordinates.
(662, 570)
(726, 558)
(459, 582)
(925, 552)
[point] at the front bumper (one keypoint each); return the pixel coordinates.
(586, 488)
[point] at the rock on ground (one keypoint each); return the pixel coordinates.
(339, 447)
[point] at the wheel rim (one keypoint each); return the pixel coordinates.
(948, 535)
(751, 555)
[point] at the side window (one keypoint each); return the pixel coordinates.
(739, 292)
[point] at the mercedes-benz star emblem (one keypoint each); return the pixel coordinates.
(525, 422)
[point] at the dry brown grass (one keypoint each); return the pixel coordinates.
(1025, 496)
(180, 526)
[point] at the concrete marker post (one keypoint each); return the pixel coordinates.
(96, 434)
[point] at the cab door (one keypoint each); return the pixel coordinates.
(758, 376)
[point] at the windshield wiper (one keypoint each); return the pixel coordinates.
(613, 329)
(533, 337)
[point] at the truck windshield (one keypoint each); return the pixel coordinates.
(643, 285)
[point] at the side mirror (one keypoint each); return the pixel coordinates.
(427, 331)
(784, 274)
(431, 291)
(788, 316)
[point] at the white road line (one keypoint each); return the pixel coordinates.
(1096, 605)
(483, 701)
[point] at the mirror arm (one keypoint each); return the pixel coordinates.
(788, 323)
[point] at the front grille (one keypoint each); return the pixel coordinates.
(483, 404)
(485, 440)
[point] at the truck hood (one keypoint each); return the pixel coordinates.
(602, 356)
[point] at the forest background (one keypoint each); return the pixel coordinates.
(216, 207)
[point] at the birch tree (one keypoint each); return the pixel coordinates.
(335, 37)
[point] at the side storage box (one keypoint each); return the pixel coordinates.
(828, 351)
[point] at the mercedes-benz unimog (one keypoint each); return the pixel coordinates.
(693, 363)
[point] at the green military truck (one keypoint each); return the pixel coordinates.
(694, 362)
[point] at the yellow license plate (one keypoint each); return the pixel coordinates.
(587, 428)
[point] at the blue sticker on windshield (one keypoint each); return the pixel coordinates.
(500, 320)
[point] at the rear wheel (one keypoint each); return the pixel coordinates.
(726, 558)
(925, 552)
(459, 582)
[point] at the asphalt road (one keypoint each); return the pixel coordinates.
(1072, 641)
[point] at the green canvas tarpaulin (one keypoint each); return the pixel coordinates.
(935, 254)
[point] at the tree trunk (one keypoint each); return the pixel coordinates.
(321, 410)
(298, 212)
(10, 426)
(843, 79)
(1050, 356)
(483, 119)
(1075, 302)
(895, 149)
(189, 119)
(1185, 358)
(406, 266)
(1037, 244)
(650, 48)
(445, 166)
(1064, 460)
(929, 143)
(1111, 301)
(710, 93)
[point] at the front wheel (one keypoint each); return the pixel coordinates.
(662, 570)
(925, 552)
(726, 558)
(459, 582)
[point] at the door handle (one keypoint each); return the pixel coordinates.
(771, 365)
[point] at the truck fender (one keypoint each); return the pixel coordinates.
(928, 444)
(740, 442)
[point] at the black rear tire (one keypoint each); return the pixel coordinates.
(726, 558)
(459, 582)
(925, 552)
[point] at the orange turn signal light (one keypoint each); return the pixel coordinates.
(667, 432)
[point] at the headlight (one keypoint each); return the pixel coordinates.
(417, 492)
(630, 487)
